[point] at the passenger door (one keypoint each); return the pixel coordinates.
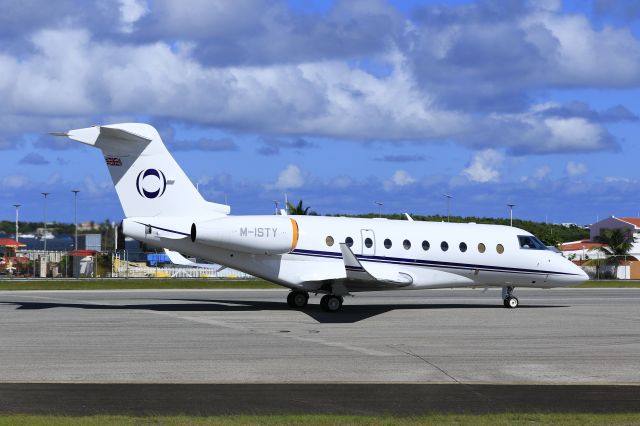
(368, 242)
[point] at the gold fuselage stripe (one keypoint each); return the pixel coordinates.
(294, 224)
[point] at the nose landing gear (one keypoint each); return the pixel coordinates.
(508, 299)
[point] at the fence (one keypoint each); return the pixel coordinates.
(134, 271)
(60, 264)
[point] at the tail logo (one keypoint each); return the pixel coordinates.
(151, 183)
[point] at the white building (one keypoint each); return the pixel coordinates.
(630, 224)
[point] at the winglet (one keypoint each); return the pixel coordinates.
(352, 266)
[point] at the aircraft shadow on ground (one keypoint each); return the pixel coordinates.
(348, 314)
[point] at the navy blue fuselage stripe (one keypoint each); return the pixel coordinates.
(353, 268)
(165, 229)
(431, 263)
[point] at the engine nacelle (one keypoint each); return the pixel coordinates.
(248, 234)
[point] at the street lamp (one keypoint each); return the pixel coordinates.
(17, 206)
(449, 197)
(511, 213)
(380, 204)
(44, 237)
(75, 215)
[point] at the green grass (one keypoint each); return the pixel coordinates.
(610, 284)
(439, 419)
(135, 284)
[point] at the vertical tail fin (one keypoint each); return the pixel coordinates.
(148, 180)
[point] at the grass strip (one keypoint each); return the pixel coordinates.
(133, 284)
(194, 283)
(436, 419)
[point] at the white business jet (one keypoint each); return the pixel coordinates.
(334, 256)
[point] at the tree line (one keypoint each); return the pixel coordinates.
(550, 234)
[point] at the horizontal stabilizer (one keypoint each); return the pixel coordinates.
(178, 259)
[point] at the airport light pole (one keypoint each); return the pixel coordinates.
(44, 237)
(75, 215)
(17, 206)
(448, 197)
(511, 213)
(380, 204)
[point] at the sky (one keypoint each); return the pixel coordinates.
(339, 103)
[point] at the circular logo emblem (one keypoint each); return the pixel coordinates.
(151, 183)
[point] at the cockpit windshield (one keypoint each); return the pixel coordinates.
(531, 242)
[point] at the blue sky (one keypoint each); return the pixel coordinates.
(338, 103)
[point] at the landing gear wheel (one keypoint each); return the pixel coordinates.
(508, 299)
(331, 303)
(297, 299)
(511, 302)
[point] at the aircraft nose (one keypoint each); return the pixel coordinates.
(578, 275)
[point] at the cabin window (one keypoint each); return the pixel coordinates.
(387, 243)
(530, 242)
(444, 246)
(348, 241)
(329, 240)
(463, 247)
(500, 248)
(425, 245)
(406, 244)
(368, 242)
(482, 248)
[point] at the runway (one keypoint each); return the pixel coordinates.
(559, 336)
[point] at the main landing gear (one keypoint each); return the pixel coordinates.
(331, 303)
(508, 299)
(297, 299)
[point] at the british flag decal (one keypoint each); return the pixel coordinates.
(113, 161)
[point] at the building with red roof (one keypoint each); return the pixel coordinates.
(8, 242)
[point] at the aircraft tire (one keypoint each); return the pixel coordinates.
(511, 302)
(297, 299)
(331, 303)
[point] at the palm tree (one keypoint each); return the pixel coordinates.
(297, 209)
(618, 243)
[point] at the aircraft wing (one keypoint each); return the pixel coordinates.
(357, 273)
(357, 278)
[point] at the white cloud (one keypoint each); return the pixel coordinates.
(541, 172)
(399, 179)
(130, 12)
(618, 179)
(290, 177)
(484, 166)
(576, 169)
(431, 67)
(15, 182)
(342, 182)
